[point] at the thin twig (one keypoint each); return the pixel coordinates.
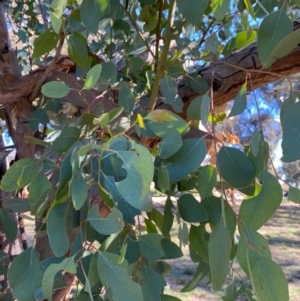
(137, 30)
(49, 69)
(43, 13)
(158, 33)
(215, 143)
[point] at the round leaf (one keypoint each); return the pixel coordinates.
(55, 89)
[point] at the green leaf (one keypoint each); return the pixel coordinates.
(294, 195)
(115, 276)
(161, 122)
(24, 275)
(17, 205)
(242, 39)
(199, 85)
(68, 136)
(168, 217)
(108, 75)
(79, 190)
(64, 177)
(220, 240)
(205, 108)
(92, 77)
(39, 185)
(269, 281)
(273, 28)
(67, 265)
(163, 180)
(240, 102)
(207, 180)
(184, 161)
(45, 42)
(151, 246)
(38, 117)
(255, 139)
(255, 212)
(90, 8)
(58, 7)
(171, 250)
(55, 89)
(113, 223)
(168, 87)
(153, 284)
(55, 22)
(126, 99)
(252, 245)
(170, 144)
(194, 15)
(201, 272)
(291, 134)
(78, 51)
(235, 167)
(194, 109)
(139, 177)
(10, 227)
(57, 229)
(286, 45)
(220, 8)
(198, 242)
(190, 209)
(19, 175)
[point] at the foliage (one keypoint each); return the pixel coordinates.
(95, 172)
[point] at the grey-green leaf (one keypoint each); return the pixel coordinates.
(151, 246)
(79, 190)
(186, 159)
(24, 275)
(67, 265)
(68, 136)
(269, 281)
(126, 99)
(57, 229)
(220, 241)
(170, 144)
(152, 286)
(207, 180)
(240, 102)
(255, 212)
(114, 275)
(273, 28)
(251, 246)
(55, 89)
(190, 209)
(195, 14)
(291, 134)
(45, 42)
(235, 167)
(92, 77)
(113, 223)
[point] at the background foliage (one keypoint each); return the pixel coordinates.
(89, 182)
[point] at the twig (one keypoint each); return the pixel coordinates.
(49, 69)
(163, 57)
(43, 13)
(137, 30)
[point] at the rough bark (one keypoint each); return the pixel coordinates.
(229, 75)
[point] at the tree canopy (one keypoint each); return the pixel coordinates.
(100, 98)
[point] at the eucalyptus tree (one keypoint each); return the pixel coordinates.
(102, 97)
